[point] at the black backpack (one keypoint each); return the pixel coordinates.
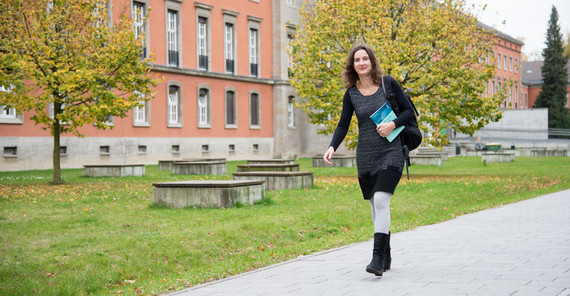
(411, 136)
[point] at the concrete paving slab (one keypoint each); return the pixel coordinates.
(517, 249)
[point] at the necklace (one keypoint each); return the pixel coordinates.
(367, 91)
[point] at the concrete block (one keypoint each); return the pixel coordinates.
(337, 161)
(279, 180)
(208, 193)
(268, 168)
(199, 168)
(124, 170)
(498, 157)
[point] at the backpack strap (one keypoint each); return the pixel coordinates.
(391, 97)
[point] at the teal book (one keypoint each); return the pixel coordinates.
(385, 114)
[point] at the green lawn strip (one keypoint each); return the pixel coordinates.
(99, 236)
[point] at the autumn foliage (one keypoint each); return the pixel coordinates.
(435, 49)
(70, 65)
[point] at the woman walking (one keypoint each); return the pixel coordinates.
(379, 161)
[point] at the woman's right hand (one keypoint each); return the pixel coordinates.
(328, 155)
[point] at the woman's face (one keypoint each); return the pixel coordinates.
(362, 64)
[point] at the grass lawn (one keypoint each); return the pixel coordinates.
(102, 236)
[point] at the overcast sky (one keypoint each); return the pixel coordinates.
(524, 19)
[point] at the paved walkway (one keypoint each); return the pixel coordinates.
(517, 249)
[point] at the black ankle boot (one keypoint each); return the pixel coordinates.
(377, 264)
(387, 255)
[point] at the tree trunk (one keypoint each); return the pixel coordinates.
(56, 147)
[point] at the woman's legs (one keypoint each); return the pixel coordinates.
(380, 205)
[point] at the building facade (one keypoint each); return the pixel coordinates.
(507, 58)
(225, 92)
(532, 81)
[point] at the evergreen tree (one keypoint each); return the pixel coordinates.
(554, 76)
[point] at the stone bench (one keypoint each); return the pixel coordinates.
(207, 194)
(433, 154)
(199, 168)
(548, 152)
(113, 170)
(498, 157)
(268, 168)
(279, 180)
(166, 165)
(337, 161)
(270, 161)
(426, 160)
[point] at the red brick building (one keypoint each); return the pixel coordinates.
(532, 81)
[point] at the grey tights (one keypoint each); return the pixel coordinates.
(380, 205)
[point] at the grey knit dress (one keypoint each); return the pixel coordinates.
(379, 162)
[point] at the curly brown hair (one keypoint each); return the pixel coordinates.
(349, 75)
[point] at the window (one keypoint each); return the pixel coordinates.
(7, 112)
(172, 38)
(142, 149)
(511, 64)
(138, 15)
(174, 106)
(205, 148)
(499, 61)
(254, 120)
(290, 49)
(232, 148)
(493, 86)
(203, 108)
(505, 62)
(63, 150)
(104, 150)
(290, 2)
(102, 12)
(231, 109)
(291, 112)
(175, 149)
(253, 51)
(229, 47)
(141, 113)
(516, 96)
(202, 43)
(516, 65)
(11, 151)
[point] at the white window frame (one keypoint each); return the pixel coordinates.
(141, 114)
(229, 40)
(253, 50)
(204, 106)
(9, 115)
(174, 105)
(499, 60)
(291, 112)
(203, 41)
(203, 47)
(172, 36)
(254, 53)
(138, 15)
(505, 62)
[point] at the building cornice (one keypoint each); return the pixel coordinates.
(208, 74)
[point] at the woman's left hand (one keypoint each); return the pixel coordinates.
(384, 129)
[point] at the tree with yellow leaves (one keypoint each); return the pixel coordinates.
(70, 65)
(435, 49)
